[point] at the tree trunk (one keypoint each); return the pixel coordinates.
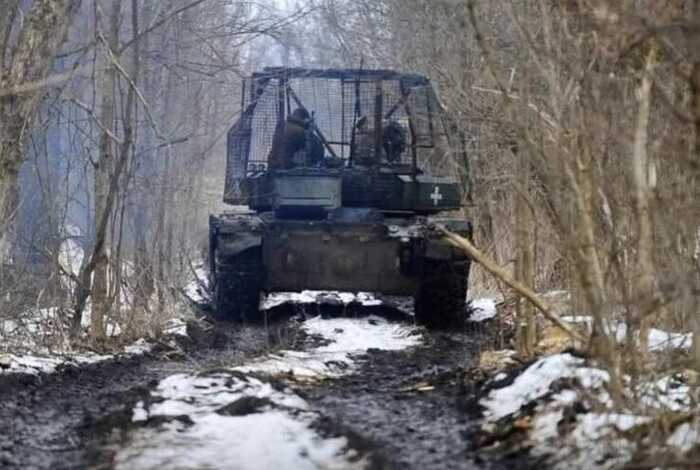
(695, 113)
(103, 171)
(23, 73)
(526, 335)
(9, 194)
(643, 180)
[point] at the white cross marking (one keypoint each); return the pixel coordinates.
(436, 196)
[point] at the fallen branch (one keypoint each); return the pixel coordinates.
(464, 244)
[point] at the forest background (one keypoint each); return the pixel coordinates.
(575, 125)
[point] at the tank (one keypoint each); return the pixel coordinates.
(338, 180)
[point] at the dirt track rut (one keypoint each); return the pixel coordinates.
(396, 409)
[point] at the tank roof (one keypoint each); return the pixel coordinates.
(342, 74)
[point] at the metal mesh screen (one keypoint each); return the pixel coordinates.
(264, 123)
(332, 100)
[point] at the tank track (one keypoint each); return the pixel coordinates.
(237, 287)
(441, 297)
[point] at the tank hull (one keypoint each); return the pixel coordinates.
(349, 257)
(355, 250)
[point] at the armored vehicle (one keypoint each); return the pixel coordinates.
(338, 180)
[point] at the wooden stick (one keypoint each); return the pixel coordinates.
(500, 273)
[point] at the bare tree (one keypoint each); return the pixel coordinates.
(29, 42)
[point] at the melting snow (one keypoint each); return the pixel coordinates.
(483, 309)
(666, 393)
(176, 327)
(272, 440)
(48, 364)
(195, 289)
(685, 437)
(594, 436)
(534, 383)
(138, 347)
(30, 364)
(659, 340)
(348, 337)
(279, 434)
(307, 297)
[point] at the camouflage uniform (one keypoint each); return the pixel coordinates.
(288, 140)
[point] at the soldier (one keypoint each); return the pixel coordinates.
(296, 144)
(288, 141)
(365, 144)
(393, 142)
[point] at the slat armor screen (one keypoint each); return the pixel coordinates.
(332, 97)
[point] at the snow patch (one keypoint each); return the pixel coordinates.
(195, 290)
(308, 297)
(658, 340)
(277, 432)
(271, 440)
(595, 439)
(685, 437)
(34, 364)
(534, 383)
(138, 347)
(483, 309)
(348, 338)
(666, 393)
(175, 327)
(594, 426)
(569, 436)
(199, 395)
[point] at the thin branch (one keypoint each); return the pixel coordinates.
(132, 84)
(91, 113)
(158, 24)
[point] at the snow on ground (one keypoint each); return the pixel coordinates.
(482, 310)
(590, 437)
(200, 395)
(685, 437)
(175, 327)
(195, 290)
(70, 253)
(659, 340)
(232, 418)
(535, 382)
(593, 442)
(348, 337)
(45, 330)
(38, 342)
(271, 440)
(48, 364)
(308, 297)
(564, 406)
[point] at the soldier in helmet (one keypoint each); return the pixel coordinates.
(393, 142)
(289, 140)
(296, 143)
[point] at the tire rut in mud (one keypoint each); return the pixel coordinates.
(408, 403)
(73, 417)
(400, 409)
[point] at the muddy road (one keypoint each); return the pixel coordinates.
(366, 390)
